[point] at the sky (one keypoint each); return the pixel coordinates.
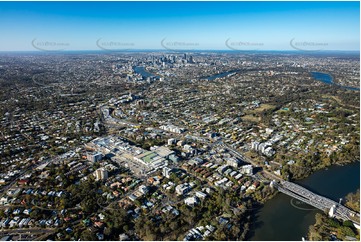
(179, 25)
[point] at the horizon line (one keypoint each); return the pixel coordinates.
(180, 50)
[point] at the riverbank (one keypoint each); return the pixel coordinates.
(327, 228)
(323, 165)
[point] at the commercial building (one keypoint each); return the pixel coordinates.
(191, 201)
(246, 169)
(143, 189)
(182, 189)
(265, 148)
(174, 158)
(172, 128)
(163, 151)
(101, 174)
(94, 156)
(150, 160)
(171, 141)
(166, 172)
(139, 160)
(234, 162)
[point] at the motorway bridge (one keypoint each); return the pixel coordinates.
(317, 201)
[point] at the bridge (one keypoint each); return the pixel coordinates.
(317, 201)
(300, 193)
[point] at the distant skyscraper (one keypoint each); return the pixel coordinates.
(191, 59)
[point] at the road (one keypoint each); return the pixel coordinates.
(26, 230)
(25, 233)
(270, 175)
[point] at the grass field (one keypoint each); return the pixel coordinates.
(250, 113)
(262, 108)
(337, 99)
(251, 118)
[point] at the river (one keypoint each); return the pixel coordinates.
(327, 78)
(319, 76)
(220, 75)
(284, 218)
(142, 71)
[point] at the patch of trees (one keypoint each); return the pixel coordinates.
(327, 228)
(353, 200)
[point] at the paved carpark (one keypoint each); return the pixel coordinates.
(136, 168)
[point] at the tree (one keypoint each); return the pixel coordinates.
(235, 232)
(88, 236)
(220, 233)
(108, 232)
(345, 231)
(313, 235)
(353, 200)
(174, 224)
(348, 223)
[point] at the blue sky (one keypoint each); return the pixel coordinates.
(181, 25)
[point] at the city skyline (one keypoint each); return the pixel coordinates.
(243, 26)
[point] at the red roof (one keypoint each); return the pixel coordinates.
(23, 181)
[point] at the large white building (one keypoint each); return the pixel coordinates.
(265, 148)
(94, 157)
(234, 162)
(246, 169)
(182, 189)
(172, 128)
(166, 172)
(143, 189)
(101, 174)
(191, 201)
